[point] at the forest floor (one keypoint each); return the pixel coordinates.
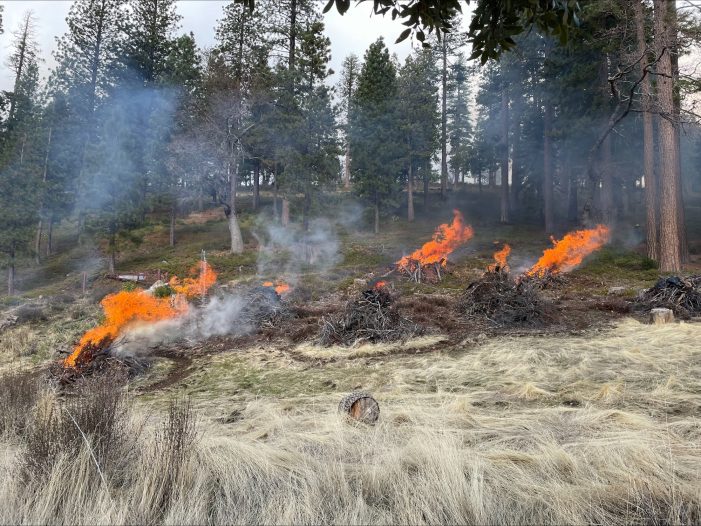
(590, 419)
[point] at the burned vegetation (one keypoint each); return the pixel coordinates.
(372, 317)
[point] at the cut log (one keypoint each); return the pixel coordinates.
(360, 406)
(659, 316)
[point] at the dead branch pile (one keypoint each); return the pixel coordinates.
(372, 317)
(682, 295)
(429, 273)
(101, 363)
(544, 280)
(505, 302)
(263, 307)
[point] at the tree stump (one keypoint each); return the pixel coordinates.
(360, 406)
(660, 316)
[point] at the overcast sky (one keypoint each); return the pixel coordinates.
(351, 33)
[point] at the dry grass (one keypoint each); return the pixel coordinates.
(599, 429)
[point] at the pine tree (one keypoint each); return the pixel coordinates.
(19, 162)
(460, 133)
(346, 88)
(419, 116)
(377, 141)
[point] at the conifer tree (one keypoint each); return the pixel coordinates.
(346, 88)
(376, 137)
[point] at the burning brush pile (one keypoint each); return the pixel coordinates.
(681, 295)
(428, 263)
(372, 317)
(565, 255)
(507, 302)
(503, 301)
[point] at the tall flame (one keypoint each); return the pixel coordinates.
(446, 239)
(280, 286)
(500, 260)
(568, 252)
(126, 308)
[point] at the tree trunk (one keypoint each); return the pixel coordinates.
(515, 171)
(173, 213)
(444, 119)
(665, 29)
(607, 207)
(346, 167)
(256, 185)
(427, 176)
(11, 274)
(649, 178)
(50, 237)
(37, 243)
(234, 228)
(307, 208)
(492, 178)
(548, 212)
(410, 193)
(285, 212)
(276, 209)
(683, 241)
(505, 216)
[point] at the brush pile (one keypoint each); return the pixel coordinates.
(544, 280)
(372, 318)
(681, 295)
(263, 307)
(98, 362)
(426, 273)
(505, 303)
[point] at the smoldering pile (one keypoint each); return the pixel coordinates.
(503, 302)
(547, 279)
(372, 317)
(681, 295)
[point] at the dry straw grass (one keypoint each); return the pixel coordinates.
(602, 429)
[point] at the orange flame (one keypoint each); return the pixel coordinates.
(380, 284)
(446, 239)
(500, 260)
(568, 252)
(280, 286)
(126, 308)
(201, 279)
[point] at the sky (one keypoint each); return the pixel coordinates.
(350, 33)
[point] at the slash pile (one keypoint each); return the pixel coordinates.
(263, 307)
(372, 317)
(505, 302)
(682, 295)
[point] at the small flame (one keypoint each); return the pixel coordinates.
(380, 285)
(568, 252)
(280, 286)
(446, 239)
(126, 308)
(500, 260)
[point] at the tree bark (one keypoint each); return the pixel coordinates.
(607, 209)
(307, 208)
(285, 212)
(346, 167)
(683, 240)
(649, 177)
(444, 118)
(665, 29)
(256, 185)
(410, 193)
(50, 237)
(234, 228)
(505, 212)
(548, 212)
